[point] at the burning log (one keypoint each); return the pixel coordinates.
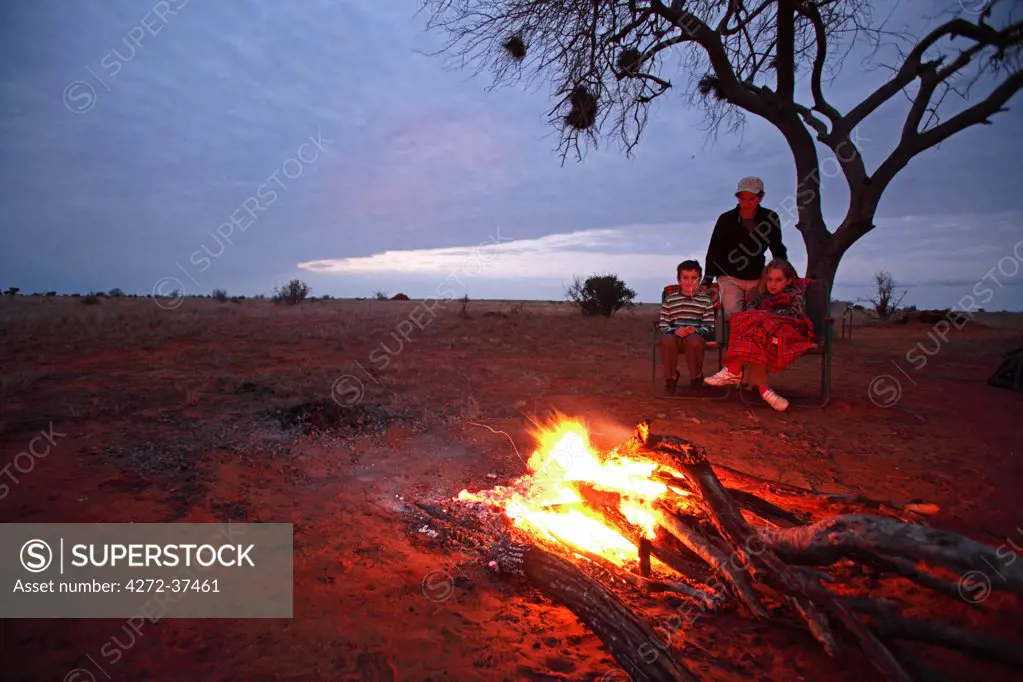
(766, 510)
(648, 585)
(684, 566)
(607, 504)
(622, 632)
(644, 557)
(692, 537)
(691, 564)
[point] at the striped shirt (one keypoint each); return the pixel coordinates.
(679, 310)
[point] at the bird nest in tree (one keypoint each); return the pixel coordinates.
(515, 46)
(654, 516)
(710, 85)
(629, 61)
(583, 112)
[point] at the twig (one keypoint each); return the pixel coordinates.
(493, 430)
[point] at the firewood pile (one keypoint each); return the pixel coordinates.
(655, 516)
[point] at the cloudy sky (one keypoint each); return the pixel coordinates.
(322, 143)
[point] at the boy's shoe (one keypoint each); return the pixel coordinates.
(774, 400)
(671, 384)
(696, 382)
(723, 378)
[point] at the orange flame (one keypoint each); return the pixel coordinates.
(546, 501)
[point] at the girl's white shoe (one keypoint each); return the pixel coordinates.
(774, 400)
(723, 378)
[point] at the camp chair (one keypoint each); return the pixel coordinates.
(818, 308)
(708, 392)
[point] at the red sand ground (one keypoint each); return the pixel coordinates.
(168, 416)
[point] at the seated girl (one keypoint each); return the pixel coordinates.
(769, 334)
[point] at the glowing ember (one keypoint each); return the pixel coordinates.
(546, 501)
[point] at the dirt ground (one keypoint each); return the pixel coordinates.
(224, 411)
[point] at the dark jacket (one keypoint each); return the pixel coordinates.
(736, 251)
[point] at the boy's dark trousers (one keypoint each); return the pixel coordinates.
(693, 347)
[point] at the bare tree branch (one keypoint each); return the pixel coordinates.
(913, 143)
(914, 66)
(810, 11)
(785, 64)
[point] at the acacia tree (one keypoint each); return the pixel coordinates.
(609, 60)
(885, 301)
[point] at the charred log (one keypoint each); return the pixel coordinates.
(621, 631)
(704, 600)
(821, 502)
(880, 656)
(692, 537)
(766, 510)
(831, 539)
(906, 569)
(891, 626)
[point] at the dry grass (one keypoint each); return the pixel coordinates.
(47, 325)
(127, 355)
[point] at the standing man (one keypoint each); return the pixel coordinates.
(740, 239)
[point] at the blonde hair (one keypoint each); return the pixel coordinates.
(778, 264)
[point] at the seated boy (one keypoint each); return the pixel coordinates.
(686, 324)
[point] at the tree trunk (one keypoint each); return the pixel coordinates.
(824, 249)
(822, 258)
(823, 267)
(821, 252)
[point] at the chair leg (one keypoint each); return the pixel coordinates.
(742, 388)
(724, 396)
(826, 387)
(653, 369)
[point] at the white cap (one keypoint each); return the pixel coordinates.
(751, 185)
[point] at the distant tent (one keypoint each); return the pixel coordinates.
(1010, 374)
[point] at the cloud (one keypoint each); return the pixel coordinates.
(629, 251)
(946, 253)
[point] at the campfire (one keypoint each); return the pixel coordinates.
(654, 516)
(565, 471)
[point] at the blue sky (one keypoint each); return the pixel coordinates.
(323, 144)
